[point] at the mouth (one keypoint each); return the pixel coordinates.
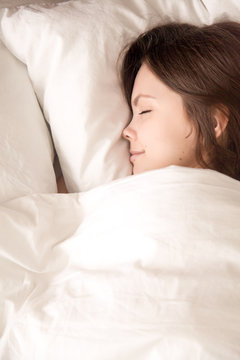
(134, 155)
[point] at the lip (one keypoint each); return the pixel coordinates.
(135, 154)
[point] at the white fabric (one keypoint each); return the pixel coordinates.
(144, 268)
(9, 3)
(26, 150)
(71, 51)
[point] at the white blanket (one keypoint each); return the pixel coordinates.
(146, 267)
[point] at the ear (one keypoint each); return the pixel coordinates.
(221, 117)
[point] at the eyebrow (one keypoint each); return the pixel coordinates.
(135, 101)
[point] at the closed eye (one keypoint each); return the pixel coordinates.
(144, 112)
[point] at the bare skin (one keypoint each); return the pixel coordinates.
(160, 129)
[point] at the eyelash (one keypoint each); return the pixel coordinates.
(144, 112)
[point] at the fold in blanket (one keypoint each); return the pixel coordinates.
(145, 267)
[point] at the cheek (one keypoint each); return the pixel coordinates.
(175, 130)
(171, 141)
(166, 131)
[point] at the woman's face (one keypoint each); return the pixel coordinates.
(159, 126)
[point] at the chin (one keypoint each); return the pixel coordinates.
(134, 172)
(137, 171)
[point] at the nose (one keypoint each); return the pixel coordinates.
(128, 133)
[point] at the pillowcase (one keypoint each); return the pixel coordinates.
(71, 51)
(9, 3)
(26, 160)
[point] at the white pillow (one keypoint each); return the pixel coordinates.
(26, 160)
(71, 51)
(9, 3)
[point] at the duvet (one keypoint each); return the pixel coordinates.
(146, 267)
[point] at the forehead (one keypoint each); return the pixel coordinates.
(144, 77)
(147, 83)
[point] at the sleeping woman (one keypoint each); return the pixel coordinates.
(182, 86)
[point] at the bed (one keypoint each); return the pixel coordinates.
(122, 267)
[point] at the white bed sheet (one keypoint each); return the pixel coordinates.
(146, 267)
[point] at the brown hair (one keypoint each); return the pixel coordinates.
(202, 64)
